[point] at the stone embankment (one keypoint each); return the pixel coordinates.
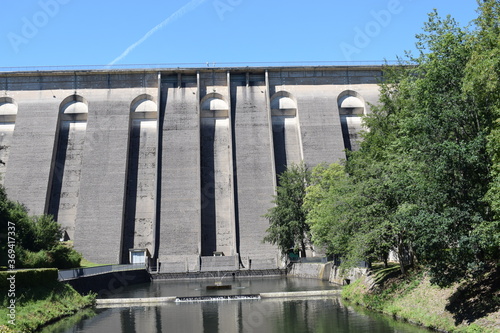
(327, 272)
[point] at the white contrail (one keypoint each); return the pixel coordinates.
(179, 13)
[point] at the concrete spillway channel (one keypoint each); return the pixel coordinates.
(153, 301)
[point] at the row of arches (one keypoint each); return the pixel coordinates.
(74, 105)
(216, 159)
(282, 103)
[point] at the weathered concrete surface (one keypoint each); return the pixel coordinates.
(311, 271)
(8, 113)
(218, 230)
(222, 263)
(326, 272)
(254, 170)
(28, 173)
(66, 177)
(155, 300)
(353, 274)
(6, 134)
(122, 182)
(180, 215)
(300, 294)
(141, 187)
(133, 301)
(319, 125)
(287, 147)
(99, 221)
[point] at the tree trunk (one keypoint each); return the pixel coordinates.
(302, 248)
(401, 255)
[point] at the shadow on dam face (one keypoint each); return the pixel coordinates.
(208, 208)
(286, 143)
(140, 204)
(139, 212)
(217, 230)
(66, 174)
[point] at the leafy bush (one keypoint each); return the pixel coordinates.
(60, 256)
(64, 257)
(47, 232)
(37, 238)
(30, 259)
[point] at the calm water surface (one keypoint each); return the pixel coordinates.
(319, 314)
(240, 286)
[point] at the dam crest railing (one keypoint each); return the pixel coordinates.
(209, 64)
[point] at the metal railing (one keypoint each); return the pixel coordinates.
(81, 272)
(197, 65)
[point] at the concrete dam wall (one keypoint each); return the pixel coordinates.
(181, 162)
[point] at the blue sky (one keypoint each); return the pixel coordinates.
(92, 32)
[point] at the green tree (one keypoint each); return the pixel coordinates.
(288, 228)
(427, 171)
(445, 132)
(329, 205)
(482, 84)
(358, 216)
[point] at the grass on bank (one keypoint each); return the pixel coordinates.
(84, 263)
(472, 306)
(42, 302)
(41, 305)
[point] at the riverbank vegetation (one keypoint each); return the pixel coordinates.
(39, 300)
(32, 241)
(425, 183)
(35, 298)
(468, 306)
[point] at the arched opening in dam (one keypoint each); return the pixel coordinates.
(67, 163)
(139, 217)
(8, 112)
(351, 109)
(217, 224)
(286, 136)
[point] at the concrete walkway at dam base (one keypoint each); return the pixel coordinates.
(126, 302)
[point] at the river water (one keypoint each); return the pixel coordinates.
(311, 314)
